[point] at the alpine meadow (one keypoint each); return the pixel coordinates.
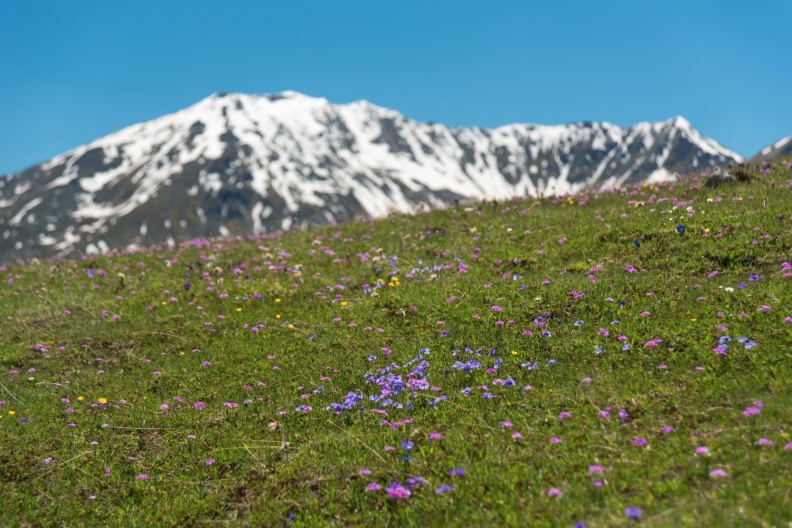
(600, 359)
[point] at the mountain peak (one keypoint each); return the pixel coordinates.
(239, 163)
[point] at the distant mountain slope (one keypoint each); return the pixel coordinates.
(236, 164)
(776, 150)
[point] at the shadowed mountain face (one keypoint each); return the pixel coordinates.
(240, 164)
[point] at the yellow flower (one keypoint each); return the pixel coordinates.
(706, 230)
(181, 353)
(277, 300)
(11, 412)
(164, 302)
(277, 316)
(102, 400)
(80, 398)
(693, 319)
(514, 352)
(239, 309)
(344, 303)
(291, 325)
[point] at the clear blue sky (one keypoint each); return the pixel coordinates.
(72, 71)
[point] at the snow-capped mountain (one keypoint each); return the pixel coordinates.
(238, 164)
(780, 148)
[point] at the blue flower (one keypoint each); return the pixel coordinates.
(681, 229)
(636, 243)
(633, 513)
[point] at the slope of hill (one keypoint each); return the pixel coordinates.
(616, 356)
(239, 164)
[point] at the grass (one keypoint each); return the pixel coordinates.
(162, 387)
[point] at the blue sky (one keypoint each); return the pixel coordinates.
(71, 72)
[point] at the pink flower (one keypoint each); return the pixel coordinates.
(365, 472)
(716, 473)
(640, 442)
(555, 440)
(750, 411)
(554, 492)
(496, 309)
(435, 436)
(373, 487)
(142, 476)
(596, 469)
(765, 442)
(764, 308)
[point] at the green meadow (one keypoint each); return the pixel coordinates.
(606, 359)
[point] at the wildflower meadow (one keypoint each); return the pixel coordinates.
(611, 358)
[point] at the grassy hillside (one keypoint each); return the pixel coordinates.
(596, 359)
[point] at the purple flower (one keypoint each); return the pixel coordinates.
(445, 488)
(633, 513)
(142, 476)
(210, 461)
(640, 441)
(407, 445)
(596, 469)
(397, 491)
(373, 487)
(230, 405)
(564, 415)
(458, 472)
(199, 405)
